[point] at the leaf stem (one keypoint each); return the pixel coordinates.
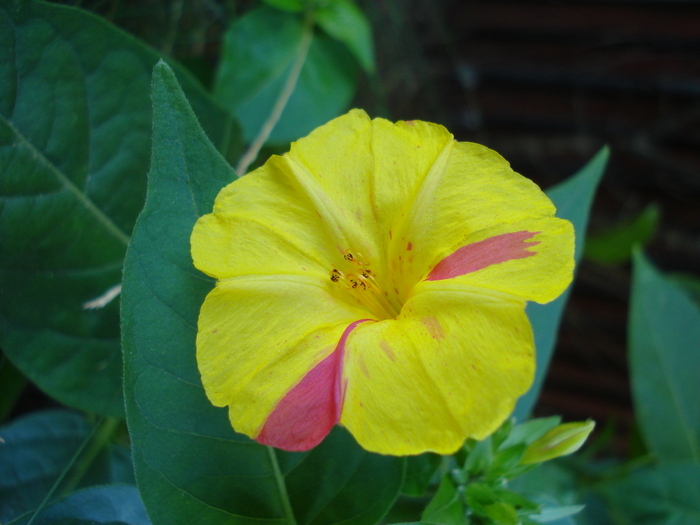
(281, 487)
(290, 84)
(96, 431)
(105, 431)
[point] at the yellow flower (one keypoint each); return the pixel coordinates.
(376, 276)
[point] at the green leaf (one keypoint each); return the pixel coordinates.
(551, 514)
(190, 465)
(689, 283)
(615, 246)
(36, 449)
(257, 54)
(505, 462)
(419, 471)
(75, 122)
(661, 495)
(664, 341)
(292, 6)
(484, 500)
(446, 507)
(549, 478)
(573, 199)
(479, 457)
(345, 21)
(529, 431)
(110, 504)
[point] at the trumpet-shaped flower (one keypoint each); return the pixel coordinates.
(376, 276)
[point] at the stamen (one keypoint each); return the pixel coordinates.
(364, 287)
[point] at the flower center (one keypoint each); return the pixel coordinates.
(358, 279)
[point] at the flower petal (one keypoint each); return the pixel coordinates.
(363, 174)
(258, 337)
(531, 258)
(308, 412)
(262, 224)
(449, 367)
(472, 190)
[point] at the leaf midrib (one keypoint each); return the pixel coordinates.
(68, 185)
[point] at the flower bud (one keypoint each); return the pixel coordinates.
(560, 441)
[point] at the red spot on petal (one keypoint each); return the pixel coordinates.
(434, 327)
(387, 350)
(306, 414)
(479, 255)
(390, 236)
(363, 366)
(409, 246)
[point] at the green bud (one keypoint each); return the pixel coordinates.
(560, 441)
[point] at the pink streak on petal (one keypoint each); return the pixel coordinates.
(479, 255)
(306, 414)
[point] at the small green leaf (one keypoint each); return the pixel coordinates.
(502, 513)
(75, 124)
(190, 465)
(615, 246)
(109, 505)
(505, 461)
(345, 21)
(479, 457)
(258, 51)
(483, 500)
(560, 441)
(446, 507)
(573, 199)
(664, 340)
(529, 431)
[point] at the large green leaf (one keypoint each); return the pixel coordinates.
(75, 124)
(36, 449)
(189, 462)
(664, 345)
(108, 505)
(258, 52)
(573, 199)
(660, 495)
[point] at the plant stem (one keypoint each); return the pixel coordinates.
(103, 435)
(281, 487)
(99, 434)
(290, 84)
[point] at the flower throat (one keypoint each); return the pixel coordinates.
(360, 281)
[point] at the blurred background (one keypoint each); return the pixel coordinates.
(546, 84)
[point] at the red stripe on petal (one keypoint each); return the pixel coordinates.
(479, 255)
(307, 413)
